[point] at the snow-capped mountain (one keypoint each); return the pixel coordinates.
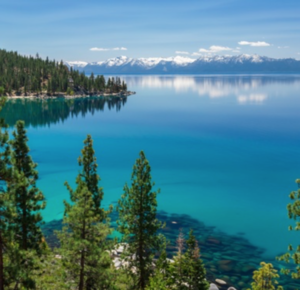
(184, 65)
(77, 64)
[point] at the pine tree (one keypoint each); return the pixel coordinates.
(138, 223)
(5, 202)
(187, 270)
(194, 269)
(83, 238)
(265, 278)
(28, 201)
(89, 174)
(177, 268)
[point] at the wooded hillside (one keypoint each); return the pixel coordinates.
(22, 75)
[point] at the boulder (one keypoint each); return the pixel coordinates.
(221, 282)
(213, 287)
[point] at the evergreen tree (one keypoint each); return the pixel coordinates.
(138, 223)
(194, 269)
(83, 238)
(27, 200)
(177, 268)
(5, 202)
(187, 270)
(265, 278)
(89, 175)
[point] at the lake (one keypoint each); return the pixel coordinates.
(224, 150)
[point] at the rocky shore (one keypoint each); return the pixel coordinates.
(76, 95)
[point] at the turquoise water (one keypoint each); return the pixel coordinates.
(223, 149)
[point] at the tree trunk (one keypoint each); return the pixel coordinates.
(24, 222)
(1, 263)
(81, 276)
(141, 243)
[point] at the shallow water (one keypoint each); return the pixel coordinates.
(223, 149)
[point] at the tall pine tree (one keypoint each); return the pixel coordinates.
(28, 201)
(5, 202)
(195, 271)
(83, 238)
(138, 223)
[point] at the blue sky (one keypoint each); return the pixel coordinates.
(95, 30)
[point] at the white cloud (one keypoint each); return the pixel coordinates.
(107, 49)
(119, 48)
(98, 49)
(215, 49)
(283, 47)
(181, 52)
(257, 43)
(196, 54)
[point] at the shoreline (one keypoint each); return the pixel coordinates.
(75, 96)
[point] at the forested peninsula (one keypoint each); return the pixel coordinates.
(24, 76)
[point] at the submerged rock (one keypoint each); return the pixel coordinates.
(221, 282)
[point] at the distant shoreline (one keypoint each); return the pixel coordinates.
(75, 96)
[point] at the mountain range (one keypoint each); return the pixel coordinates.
(244, 63)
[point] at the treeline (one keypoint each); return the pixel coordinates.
(86, 258)
(26, 75)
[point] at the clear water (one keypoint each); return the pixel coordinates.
(223, 149)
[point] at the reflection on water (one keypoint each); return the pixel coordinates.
(37, 112)
(246, 89)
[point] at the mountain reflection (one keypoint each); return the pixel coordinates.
(246, 89)
(37, 112)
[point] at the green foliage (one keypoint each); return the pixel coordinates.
(265, 278)
(6, 206)
(138, 223)
(70, 92)
(161, 279)
(90, 177)
(195, 271)
(5, 148)
(2, 91)
(158, 282)
(293, 254)
(27, 200)
(50, 273)
(188, 271)
(86, 262)
(21, 74)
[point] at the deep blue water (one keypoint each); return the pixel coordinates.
(223, 149)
